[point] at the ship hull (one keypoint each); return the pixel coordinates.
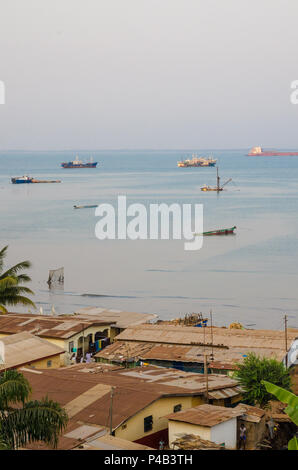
(225, 231)
(82, 165)
(194, 165)
(22, 180)
(272, 154)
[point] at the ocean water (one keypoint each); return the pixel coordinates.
(250, 277)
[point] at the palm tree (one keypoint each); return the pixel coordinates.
(27, 421)
(11, 289)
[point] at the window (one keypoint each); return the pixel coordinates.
(177, 408)
(148, 423)
(49, 364)
(70, 346)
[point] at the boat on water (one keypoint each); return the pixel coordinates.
(76, 163)
(218, 187)
(259, 152)
(196, 161)
(221, 231)
(29, 180)
(84, 207)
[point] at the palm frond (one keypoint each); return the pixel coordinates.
(14, 388)
(13, 271)
(43, 420)
(2, 256)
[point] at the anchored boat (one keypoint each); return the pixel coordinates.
(29, 180)
(195, 162)
(222, 231)
(218, 187)
(79, 164)
(259, 152)
(84, 207)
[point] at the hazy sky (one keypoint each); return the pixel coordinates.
(83, 74)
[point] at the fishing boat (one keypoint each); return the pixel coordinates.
(222, 231)
(76, 163)
(29, 180)
(218, 187)
(196, 162)
(84, 207)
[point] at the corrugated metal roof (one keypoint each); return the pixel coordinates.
(205, 415)
(61, 326)
(24, 348)
(121, 319)
(133, 389)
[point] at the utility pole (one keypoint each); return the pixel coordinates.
(212, 356)
(206, 376)
(111, 410)
(286, 339)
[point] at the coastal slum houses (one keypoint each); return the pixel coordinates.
(131, 404)
(184, 347)
(25, 349)
(78, 333)
(119, 320)
(74, 335)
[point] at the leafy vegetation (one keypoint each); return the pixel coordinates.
(253, 370)
(12, 290)
(292, 409)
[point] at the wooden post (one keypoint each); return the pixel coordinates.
(206, 376)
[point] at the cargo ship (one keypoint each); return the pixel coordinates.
(196, 161)
(259, 152)
(79, 164)
(29, 179)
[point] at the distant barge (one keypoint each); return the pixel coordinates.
(259, 152)
(29, 180)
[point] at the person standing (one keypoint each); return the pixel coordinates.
(242, 437)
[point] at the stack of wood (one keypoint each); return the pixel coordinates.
(192, 442)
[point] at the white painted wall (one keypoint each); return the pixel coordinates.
(293, 354)
(225, 433)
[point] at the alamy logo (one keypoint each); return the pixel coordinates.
(294, 94)
(162, 221)
(2, 92)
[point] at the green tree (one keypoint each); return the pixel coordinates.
(23, 421)
(292, 409)
(253, 370)
(12, 289)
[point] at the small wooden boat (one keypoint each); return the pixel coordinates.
(84, 207)
(218, 187)
(223, 231)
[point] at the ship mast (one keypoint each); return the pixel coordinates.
(218, 179)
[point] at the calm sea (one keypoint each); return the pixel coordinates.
(250, 277)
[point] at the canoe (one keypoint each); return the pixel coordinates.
(84, 207)
(223, 231)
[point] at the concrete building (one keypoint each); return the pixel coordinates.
(209, 422)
